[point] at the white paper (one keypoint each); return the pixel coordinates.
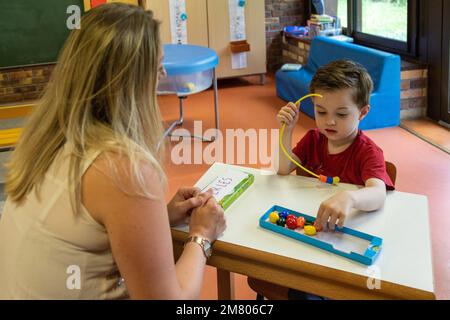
(343, 241)
(178, 21)
(237, 20)
(225, 184)
(239, 60)
(237, 32)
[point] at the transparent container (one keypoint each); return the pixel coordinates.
(186, 84)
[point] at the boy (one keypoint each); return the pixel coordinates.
(337, 147)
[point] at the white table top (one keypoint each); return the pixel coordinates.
(403, 225)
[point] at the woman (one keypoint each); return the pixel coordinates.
(85, 216)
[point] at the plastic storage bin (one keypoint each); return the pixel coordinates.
(189, 69)
(186, 84)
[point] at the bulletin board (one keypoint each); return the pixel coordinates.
(33, 32)
(89, 4)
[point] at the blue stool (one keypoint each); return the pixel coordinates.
(190, 69)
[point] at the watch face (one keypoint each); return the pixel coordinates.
(207, 248)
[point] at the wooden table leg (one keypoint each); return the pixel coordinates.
(225, 285)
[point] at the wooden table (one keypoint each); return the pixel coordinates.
(404, 267)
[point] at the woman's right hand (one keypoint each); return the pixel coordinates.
(207, 221)
(288, 115)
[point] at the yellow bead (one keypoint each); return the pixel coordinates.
(273, 217)
(310, 230)
(336, 180)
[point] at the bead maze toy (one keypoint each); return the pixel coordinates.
(325, 179)
(359, 246)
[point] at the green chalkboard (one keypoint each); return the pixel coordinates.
(33, 31)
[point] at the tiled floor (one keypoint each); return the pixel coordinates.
(422, 168)
(430, 131)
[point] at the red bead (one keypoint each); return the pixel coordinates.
(291, 221)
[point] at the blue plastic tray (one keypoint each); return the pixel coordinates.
(374, 244)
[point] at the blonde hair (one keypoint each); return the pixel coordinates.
(101, 97)
(344, 74)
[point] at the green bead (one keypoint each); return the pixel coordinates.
(281, 222)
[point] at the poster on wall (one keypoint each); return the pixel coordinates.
(178, 21)
(237, 31)
(89, 4)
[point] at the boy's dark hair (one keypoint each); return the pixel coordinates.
(343, 74)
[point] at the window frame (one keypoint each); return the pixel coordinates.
(408, 48)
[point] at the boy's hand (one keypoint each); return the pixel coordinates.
(289, 115)
(334, 209)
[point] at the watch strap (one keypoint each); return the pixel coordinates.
(201, 242)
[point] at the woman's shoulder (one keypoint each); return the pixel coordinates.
(113, 180)
(117, 170)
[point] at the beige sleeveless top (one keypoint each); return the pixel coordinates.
(47, 251)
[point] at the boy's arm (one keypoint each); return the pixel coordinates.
(335, 209)
(286, 166)
(371, 197)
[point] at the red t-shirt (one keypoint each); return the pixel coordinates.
(362, 160)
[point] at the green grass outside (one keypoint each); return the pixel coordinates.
(382, 18)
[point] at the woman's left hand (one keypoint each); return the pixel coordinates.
(185, 200)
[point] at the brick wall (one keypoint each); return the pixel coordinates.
(295, 50)
(414, 77)
(279, 14)
(22, 84)
(414, 90)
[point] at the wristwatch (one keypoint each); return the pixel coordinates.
(205, 244)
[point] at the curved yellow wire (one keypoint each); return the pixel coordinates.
(335, 179)
(282, 132)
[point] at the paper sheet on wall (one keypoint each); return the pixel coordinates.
(237, 31)
(178, 21)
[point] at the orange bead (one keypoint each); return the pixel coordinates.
(300, 222)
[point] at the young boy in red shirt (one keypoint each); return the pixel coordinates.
(337, 147)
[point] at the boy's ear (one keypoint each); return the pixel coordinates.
(364, 111)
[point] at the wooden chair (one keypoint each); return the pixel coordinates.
(391, 171)
(9, 137)
(273, 291)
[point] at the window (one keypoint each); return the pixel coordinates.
(389, 25)
(384, 18)
(342, 12)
